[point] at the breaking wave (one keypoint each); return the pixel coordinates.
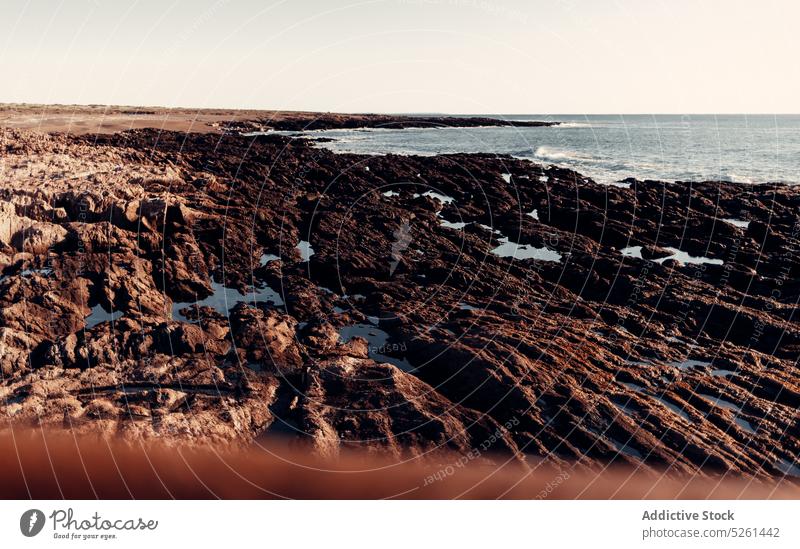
(556, 155)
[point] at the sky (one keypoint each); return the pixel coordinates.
(449, 56)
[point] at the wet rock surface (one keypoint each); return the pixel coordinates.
(152, 286)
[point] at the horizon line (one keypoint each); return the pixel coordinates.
(4, 104)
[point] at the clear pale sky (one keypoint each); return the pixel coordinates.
(458, 56)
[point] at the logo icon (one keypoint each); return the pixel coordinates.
(31, 522)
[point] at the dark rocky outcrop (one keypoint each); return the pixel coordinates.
(599, 357)
(335, 121)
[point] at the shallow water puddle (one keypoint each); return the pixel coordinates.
(45, 272)
(305, 249)
(467, 307)
(788, 468)
(721, 402)
(632, 251)
(625, 448)
(744, 424)
(673, 407)
(443, 198)
(524, 251)
(224, 299)
(632, 386)
(675, 253)
(721, 372)
(267, 258)
(450, 224)
(378, 344)
(488, 228)
(737, 223)
(625, 408)
(389, 194)
(100, 315)
(685, 258)
(622, 447)
(688, 363)
(727, 404)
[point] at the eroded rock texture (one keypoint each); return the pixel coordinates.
(153, 286)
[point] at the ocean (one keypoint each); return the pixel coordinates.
(608, 148)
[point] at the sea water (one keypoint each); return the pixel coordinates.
(609, 148)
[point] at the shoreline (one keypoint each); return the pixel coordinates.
(82, 120)
(104, 119)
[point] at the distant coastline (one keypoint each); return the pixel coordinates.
(105, 119)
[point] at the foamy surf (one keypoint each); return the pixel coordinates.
(611, 148)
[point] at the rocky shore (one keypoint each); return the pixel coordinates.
(333, 121)
(91, 119)
(223, 288)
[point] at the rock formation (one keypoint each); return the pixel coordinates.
(154, 286)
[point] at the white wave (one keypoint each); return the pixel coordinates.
(547, 153)
(734, 178)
